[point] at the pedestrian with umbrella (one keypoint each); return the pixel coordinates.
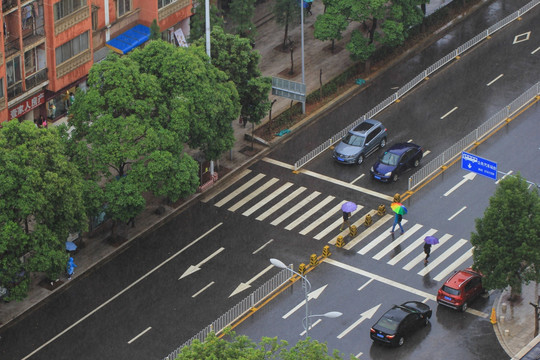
(400, 210)
(347, 209)
(428, 241)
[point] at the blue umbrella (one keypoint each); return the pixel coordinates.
(432, 240)
(70, 246)
(349, 206)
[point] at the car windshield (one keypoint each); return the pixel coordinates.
(450, 291)
(390, 159)
(354, 140)
(388, 323)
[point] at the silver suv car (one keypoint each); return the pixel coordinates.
(361, 142)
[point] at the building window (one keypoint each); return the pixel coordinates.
(13, 71)
(94, 17)
(71, 48)
(30, 62)
(162, 3)
(1, 87)
(124, 6)
(65, 7)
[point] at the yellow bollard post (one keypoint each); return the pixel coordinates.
(339, 242)
(368, 221)
(382, 210)
(397, 198)
(353, 231)
(313, 260)
(493, 317)
(326, 251)
(302, 269)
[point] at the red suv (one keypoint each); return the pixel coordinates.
(460, 289)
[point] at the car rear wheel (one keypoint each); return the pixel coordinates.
(383, 143)
(426, 321)
(360, 160)
(416, 163)
(401, 341)
(395, 177)
(464, 307)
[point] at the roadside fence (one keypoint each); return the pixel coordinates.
(474, 136)
(239, 310)
(418, 79)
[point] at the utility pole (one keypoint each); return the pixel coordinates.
(207, 29)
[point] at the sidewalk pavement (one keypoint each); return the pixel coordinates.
(513, 330)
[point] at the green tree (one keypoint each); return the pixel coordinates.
(287, 12)
(155, 31)
(242, 13)
(234, 56)
(41, 202)
(242, 347)
(330, 26)
(196, 88)
(507, 239)
(198, 23)
(129, 138)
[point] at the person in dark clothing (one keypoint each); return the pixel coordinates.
(427, 251)
(397, 221)
(346, 216)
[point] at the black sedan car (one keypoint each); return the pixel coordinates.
(399, 322)
(396, 160)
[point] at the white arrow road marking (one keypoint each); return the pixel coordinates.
(191, 269)
(365, 315)
(469, 176)
(312, 295)
(244, 286)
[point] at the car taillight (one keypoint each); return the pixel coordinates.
(390, 336)
(372, 330)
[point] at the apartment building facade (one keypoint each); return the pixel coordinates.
(49, 46)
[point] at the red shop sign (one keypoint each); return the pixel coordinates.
(27, 105)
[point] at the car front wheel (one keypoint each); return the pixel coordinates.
(395, 177)
(383, 143)
(360, 160)
(464, 307)
(426, 321)
(416, 163)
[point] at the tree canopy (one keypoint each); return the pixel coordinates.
(241, 13)
(41, 202)
(287, 12)
(507, 239)
(197, 25)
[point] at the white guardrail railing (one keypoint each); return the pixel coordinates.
(239, 310)
(418, 79)
(476, 135)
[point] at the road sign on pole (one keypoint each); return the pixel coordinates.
(289, 89)
(479, 165)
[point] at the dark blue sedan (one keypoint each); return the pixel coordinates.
(396, 160)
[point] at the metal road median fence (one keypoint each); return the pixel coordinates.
(239, 310)
(418, 79)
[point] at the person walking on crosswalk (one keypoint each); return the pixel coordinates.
(346, 216)
(397, 221)
(427, 251)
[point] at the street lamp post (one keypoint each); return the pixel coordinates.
(302, 42)
(306, 285)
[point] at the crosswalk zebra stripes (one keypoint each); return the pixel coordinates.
(313, 214)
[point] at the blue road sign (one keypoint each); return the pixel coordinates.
(479, 165)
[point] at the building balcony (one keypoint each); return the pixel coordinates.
(11, 45)
(35, 79)
(73, 63)
(70, 20)
(8, 5)
(172, 8)
(14, 90)
(34, 38)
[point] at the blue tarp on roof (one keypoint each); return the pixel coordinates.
(130, 39)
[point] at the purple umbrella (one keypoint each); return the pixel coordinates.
(349, 206)
(432, 240)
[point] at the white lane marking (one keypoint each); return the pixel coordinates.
(312, 295)
(122, 292)
(247, 285)
(295, 208)
(443, 274)
(505, 175)
(366, 284)
(426, 153)
(467, 177)
(309, 212)
(358, 178)
(368, 314)
(230, 183)
(194, 268)
(138, 336)
(203, 289)
(410, 232)
(241, 189)
(377, 240)
(344, 232)
(411, 247)
(335, 210)
(331, 180)
(311, 327)
(477, 313)
(535, 50)
(367, 232)
(262, 247)
(457, 213)
(358, 355)
(440, 258)
(253, 194)
(492, 81)
(381, 279)
(421, 256)
(282, 202)
(448, 113)
(267, 199)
